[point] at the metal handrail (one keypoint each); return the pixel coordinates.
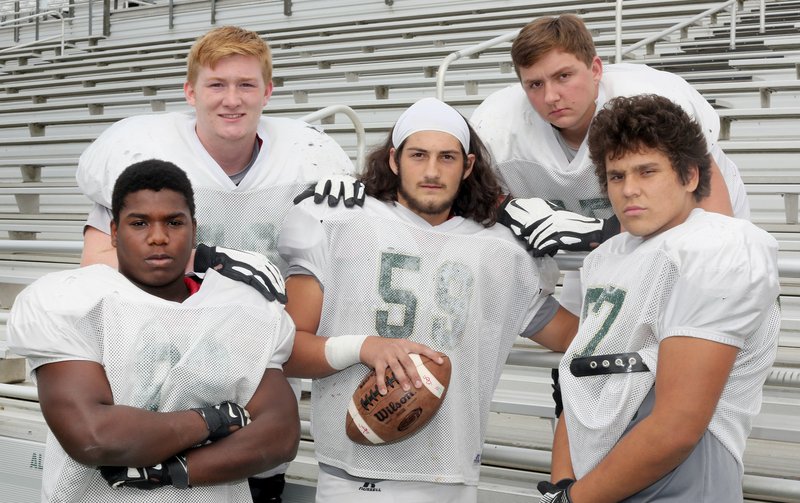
(22, 392)
(650, 41)
(53, 13)
(361, 135)
(469, 51)
(32, 16)
(37, 246)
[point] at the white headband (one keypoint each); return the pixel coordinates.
(430, 114)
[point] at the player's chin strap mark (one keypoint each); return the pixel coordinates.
(617, 363)
(428, 379)
(363, 427)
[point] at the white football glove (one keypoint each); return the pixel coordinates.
(547, 228)
(249, 267)
(335, 187)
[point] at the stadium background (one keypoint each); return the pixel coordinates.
(69, 69)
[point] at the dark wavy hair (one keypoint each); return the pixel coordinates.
(152, 174)
(629, 124)
(476, 199)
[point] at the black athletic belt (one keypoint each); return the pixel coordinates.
(619, 363)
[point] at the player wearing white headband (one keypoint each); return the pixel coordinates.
(415, 270)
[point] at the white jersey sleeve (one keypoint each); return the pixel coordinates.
(728, 280)
(302, 241)
(100, 218)
(43, 323)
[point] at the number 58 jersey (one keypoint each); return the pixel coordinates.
(460, 288)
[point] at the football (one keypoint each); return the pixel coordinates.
(373, 418)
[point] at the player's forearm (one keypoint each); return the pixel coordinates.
(561, 466)
(308, 357)
(270, 439)
(559, 332)
(261, 445)
(649, 451)
(79, 408)
(118, 435)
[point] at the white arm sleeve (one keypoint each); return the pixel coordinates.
(43, 322)
(283, 347)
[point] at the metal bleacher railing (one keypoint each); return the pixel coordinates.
(53, 13)
(62, 9)
(648, 42)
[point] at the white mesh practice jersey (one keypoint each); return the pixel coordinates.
(714, 278)
(531, 163)
(245, 216)
(459, 287)
(157, 355)
(248, 220)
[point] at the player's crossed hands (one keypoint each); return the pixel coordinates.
(334, 188)
(546, 228)
(249, 267)
(382, 352)
(172, 472)
(223, 419)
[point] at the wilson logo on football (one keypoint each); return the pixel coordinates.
(373, 418)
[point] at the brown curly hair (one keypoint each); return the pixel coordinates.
(477, 197)
(629, 124)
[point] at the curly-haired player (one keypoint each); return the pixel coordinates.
(678, 328)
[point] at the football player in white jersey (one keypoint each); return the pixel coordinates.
(537, 130)
(148, 379)
(679, 325)
(245, 168)
(420, 268)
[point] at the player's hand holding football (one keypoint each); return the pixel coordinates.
(335, 187)
(555, 493)
(249, 267)
(172, 472)
(382, 352)
(547, 228)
